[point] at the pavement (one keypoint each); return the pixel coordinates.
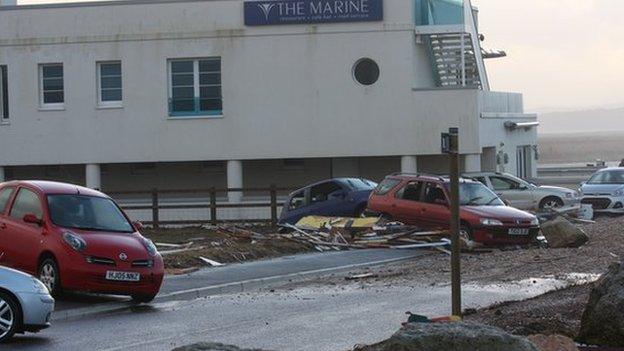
(236, 278)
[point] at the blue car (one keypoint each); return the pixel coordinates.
(338, 197)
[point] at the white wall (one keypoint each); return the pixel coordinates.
(288, 91)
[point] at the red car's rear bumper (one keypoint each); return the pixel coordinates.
(88, 277)
(500, 235)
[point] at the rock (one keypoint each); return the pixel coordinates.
(561, 233)
(451, 337)
(603, 320)
(553, 342)
(209, 346)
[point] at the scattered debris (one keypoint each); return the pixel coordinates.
(553, 342)
(210, 262)
(361, 276)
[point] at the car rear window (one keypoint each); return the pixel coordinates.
(386, 185)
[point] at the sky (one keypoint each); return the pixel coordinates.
(562, 54)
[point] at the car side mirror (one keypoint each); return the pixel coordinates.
(32, 219)
(137, 225)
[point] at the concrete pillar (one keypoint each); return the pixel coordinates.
(472, 163)
(93, 176)
(409, 164)
(345, 167)
(2, 178)
(235, 180)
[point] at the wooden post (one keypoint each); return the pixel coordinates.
(155, 220)
(273, 206)
(213, 206)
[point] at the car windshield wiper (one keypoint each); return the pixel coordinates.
(490, 202)
(472, 201)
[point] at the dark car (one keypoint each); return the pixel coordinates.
(423, 201)
(339, 197)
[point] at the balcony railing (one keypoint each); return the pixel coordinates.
(439, 12)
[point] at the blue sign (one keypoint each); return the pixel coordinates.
(272, 12)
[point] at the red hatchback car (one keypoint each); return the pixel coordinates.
(75, 238)
(423, 201)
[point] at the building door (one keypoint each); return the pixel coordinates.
(523, 161)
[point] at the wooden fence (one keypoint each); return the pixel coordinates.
(211, 207)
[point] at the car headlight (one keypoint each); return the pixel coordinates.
(39, 286)
(535, 221)
(619, 192)
(149, 246)
(75, 241)
(491, 222)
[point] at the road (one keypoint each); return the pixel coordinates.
(305, 317)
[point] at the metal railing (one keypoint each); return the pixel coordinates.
(211, 205)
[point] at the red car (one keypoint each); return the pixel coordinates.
(423, 201)
(75, 238)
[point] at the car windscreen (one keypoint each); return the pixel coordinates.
(477, 194)
(87, 213)
(607, 177)
(358, 184)
(386, 185)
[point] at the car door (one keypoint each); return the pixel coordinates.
(6, 194)
(513, 192)
(25, 238)
(329, 199)
(406, 206)
(435, 211)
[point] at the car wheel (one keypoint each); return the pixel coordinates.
(10, 317)
(140, 298)
(551, 202)
(50, 276)
(466, 233)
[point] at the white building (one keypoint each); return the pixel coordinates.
(131, 95)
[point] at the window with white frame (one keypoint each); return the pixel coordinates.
(4, 94)
(52, 92)
(195, 87)
(110, 91)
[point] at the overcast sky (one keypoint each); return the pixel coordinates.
(562, 54)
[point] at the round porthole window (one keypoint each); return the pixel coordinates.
(366, 71)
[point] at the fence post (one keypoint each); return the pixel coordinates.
(213, 206)
(273, 205)
(155, 219)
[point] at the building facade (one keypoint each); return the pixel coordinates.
(170, 94)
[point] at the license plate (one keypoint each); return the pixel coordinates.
(123, 276)
(519, 231)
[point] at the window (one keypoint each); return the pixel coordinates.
(435, 195)
(110, 92)
(410, 192)
(25, 203)
(366, 71)
(5, 196)
(297, 200)
(51, 85)
(500, 183)
(4, 94)
(324, 191)
(195, 87)
(386, 185)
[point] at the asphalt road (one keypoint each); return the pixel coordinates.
(314, 318)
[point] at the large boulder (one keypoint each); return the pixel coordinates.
(603, 320)
(553, 342)
(210, 346)
(451, 337)
(561, 233)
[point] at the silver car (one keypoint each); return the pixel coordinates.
(25, 304)
(605, 191)
(523, 195)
